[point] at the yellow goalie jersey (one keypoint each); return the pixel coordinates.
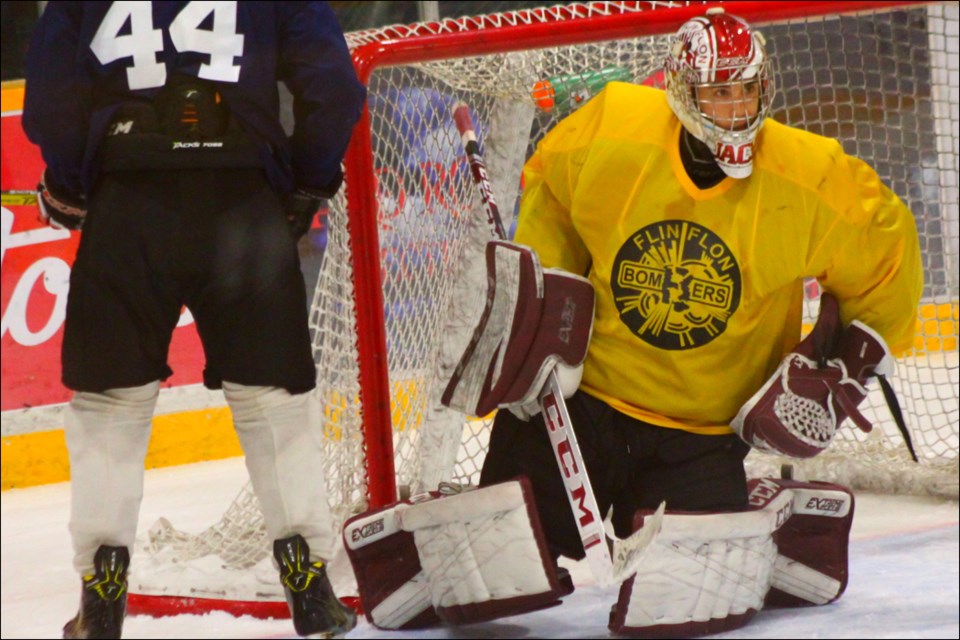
(699, 293)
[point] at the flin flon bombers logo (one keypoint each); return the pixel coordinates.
(675, 284)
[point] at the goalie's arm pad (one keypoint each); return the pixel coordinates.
(799, 409)
(480, 555)
(712, 572)
(534, 320)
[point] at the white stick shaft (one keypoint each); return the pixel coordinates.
(583, 502)
(579, 491)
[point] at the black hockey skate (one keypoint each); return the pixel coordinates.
(314, 607)
(103, 599)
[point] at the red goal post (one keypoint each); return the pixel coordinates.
(400, 285)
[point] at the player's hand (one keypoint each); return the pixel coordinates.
(58, 207)
(301, 206)
(569, 379)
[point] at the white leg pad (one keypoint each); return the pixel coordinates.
(393, 589)
(282, 439)
(707, 573)
(806, 583)
(480, 555)
(711, 572)
(813, 567)
(107, 435)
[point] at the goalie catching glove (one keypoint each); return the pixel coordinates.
(535, 320)
(58, 207)
(799, 409)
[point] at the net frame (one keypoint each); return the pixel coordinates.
(366, 413)
(436, 41)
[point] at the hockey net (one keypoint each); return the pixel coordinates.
(402, 280)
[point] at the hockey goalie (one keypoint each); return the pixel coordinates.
(451, 557)
(694, 230)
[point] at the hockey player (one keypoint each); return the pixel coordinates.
(159, 124)
(684, 222)
(696, 218)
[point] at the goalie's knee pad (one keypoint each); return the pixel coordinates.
(457, 559)
(712, 572)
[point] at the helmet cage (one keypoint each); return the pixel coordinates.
(719, 50)
(683, 87)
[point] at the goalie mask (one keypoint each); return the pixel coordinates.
(719, 84)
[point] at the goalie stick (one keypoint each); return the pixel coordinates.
(608, 568)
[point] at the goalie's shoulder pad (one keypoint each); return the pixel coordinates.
(534, 318)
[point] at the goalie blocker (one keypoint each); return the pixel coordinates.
(710, 573)
(534, 320)
(457, 559)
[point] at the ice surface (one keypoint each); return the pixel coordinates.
(904, 558)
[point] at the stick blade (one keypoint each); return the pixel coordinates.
(630, 552)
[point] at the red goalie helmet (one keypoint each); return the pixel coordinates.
(719, 83)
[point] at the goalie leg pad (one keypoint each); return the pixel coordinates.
(484, 554)
(712, 572)
(708, 573)
(534, 319)
(459, 559)
(812, 566)
(393, 588)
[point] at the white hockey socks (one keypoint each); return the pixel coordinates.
(107, 436)
(457, 559)
(282, 440)
(712, 572)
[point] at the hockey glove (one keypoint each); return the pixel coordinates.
(569, 379)
(58, 207)
(301, 207)
(303, 203)
(799, 409)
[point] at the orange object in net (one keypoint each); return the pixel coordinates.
(543, 95)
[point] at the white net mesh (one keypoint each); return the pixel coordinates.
(883, 83)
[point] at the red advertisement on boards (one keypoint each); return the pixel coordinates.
(36, 261)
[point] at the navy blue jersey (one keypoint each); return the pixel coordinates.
(86, 58)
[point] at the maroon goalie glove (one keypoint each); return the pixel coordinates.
(823, 381)
(58, 207)
(535, 320)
